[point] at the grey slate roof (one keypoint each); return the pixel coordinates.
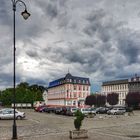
(116, 82)
(70, 79)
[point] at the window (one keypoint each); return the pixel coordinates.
(83, 87)
(74, 87)
(74, 102)
(74, 95)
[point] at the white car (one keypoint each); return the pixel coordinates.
(8, 113)
(86, 111)
(116, 111)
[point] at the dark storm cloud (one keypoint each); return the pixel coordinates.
(49, 7)
(6, 79)
(5, 9)
(32, 53)
(37, 81)
(110, 49)
(126, 41)
(5, 53)
(129, 46)
(41, 19)
(52, 8)
(86, 56)
(94, 20)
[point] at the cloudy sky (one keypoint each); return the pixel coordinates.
(99, 39)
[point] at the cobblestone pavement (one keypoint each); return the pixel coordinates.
(43, 126)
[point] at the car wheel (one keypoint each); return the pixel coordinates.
(115, 113)
(18, 117)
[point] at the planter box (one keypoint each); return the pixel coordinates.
(75, 134)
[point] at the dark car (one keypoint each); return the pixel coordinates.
(49, 109)
(64, 110)
(71, 111)
(102, 110)
(58, 110)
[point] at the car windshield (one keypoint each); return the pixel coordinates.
(74, 109)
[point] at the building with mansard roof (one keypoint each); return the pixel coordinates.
(69, 91)
(122, 87)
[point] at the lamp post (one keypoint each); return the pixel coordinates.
(25, 15)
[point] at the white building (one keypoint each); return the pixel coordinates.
(122, 87)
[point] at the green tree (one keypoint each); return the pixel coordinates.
(78, 120)
(100, 100)
(133, 99)
(7, 96)
(113, 98)
(24, 94)
(90, 100)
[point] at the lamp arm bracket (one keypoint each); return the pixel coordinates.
(14, 2)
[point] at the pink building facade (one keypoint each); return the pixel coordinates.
(68, 91)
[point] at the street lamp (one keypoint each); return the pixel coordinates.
(25, 15)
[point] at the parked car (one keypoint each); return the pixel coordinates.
(40, 108)
(8, 113)
(64, 110)
(58, 110)
(102, 110)
(71, 110)
(86, 111)
(49, 109)
(116, 111)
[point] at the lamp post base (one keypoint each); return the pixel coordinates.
(14, 132)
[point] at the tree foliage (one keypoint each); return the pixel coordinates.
(133, 99)
(78, 120)
(25, 93)
(100, 100)
(90, 100)
(95, 99)
(113, 98)
(6, 96)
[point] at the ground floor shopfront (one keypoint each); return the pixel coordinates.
(67, 102)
